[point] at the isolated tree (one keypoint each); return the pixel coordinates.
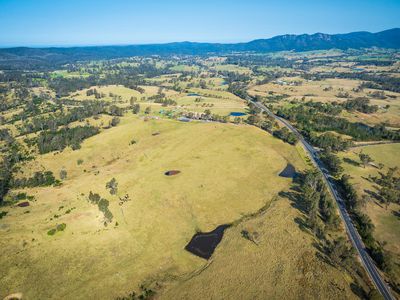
(132, 101)
(114, 121)
(207, 112)
(136, 108)
(112, 185)
(237, 120)
(63, 174)
(147, 110)
(365, 159)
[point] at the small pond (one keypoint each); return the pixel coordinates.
(193, 95)
(237, 114)
(172, 172)
(203, 244)
(288, 172)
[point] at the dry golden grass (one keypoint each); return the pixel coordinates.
(218, 102)
(283, 265)
(387, 224)
(386, 220)
(227, 171)
(119, 90)
(314, 91)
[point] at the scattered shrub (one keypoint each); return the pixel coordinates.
(61, 227)
(51, 231)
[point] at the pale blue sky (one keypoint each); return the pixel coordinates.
(84, 22)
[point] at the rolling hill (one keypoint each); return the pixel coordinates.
(23, 56)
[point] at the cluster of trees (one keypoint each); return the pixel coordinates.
(52, 122)
(166, 102)
(370, 80)
(360, 104)
(389, 183)
(160, 98)
(340, 252)
(130, 76)
(114, 110)
(238, 88)
(363, 223)
(332, 108)
(103, 205)
(63, 86)
(322, 217)
(33, 107)
(267, 123)
(207, 116)
(157, 98)
(112, 186)
(320, 207)
(332, 162)
(285, 135)
(10, 155)
(48, 141)
(94, 92)
(330, 142)
(309, 120)
(45, 178)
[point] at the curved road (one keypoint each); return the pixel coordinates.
(351, 231)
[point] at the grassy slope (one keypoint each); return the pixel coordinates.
(223, 102)
(221, 106)
(283, 265)
(218, 184)
(386, 222)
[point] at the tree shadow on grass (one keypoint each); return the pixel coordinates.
(369, 179)
(302, 224)
(294, 196)
(396, 213)
(374, 195)
(295, 199)
(322, 256)
(351, 162)
(359, 291)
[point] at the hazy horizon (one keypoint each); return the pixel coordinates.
(166, 42)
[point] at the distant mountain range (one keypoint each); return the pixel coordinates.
(304, 42)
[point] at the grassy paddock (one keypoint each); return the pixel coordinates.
(227, 171)
(386, 221)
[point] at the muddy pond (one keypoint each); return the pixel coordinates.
(203, 244)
